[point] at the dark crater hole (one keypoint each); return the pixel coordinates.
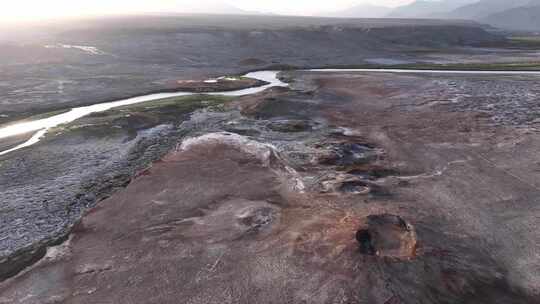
(364, 239)
(355, 187)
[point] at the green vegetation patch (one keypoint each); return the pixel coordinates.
(181, 103)
(500, 66)
(144, 115)
(524, 41)
(48, 114)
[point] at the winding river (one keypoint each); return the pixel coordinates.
(42, 126)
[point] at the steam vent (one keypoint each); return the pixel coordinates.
(387, 236)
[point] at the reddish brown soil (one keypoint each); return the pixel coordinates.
(217, 224)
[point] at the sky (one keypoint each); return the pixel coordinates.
(309, 6)
(24, 10)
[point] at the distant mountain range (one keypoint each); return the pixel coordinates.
(485, 8)
(521, 18)
(428, 9)
(508, 14)
(209, 7)
(362, 11)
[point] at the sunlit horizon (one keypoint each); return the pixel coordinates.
(35, 10)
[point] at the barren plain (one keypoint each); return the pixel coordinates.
(345, 187)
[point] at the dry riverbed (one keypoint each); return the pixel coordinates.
(264, 198)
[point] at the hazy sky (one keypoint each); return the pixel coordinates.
(39, 9)
(308, 6)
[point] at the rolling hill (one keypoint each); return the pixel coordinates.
(526, 18)
(362, 11)
(485, 8)
(428, 9)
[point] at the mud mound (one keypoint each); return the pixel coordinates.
(348, 184)
(264, 152)
(290, 125)
(348, 154)
(267, 154)
(234, 219)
